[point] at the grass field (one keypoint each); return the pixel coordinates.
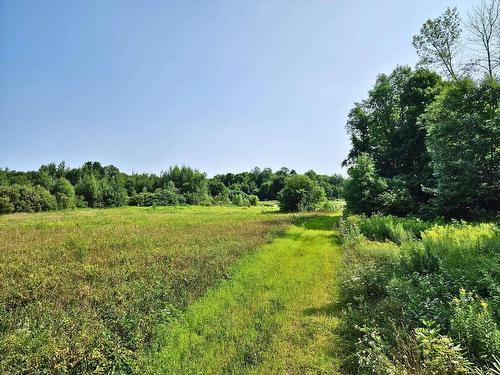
(84, 290)
(274, 315)
(178, 290)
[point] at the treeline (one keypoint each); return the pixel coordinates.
(426, 144)
(93, 185)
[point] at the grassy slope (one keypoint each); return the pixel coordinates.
(83, 290)
(273, 315)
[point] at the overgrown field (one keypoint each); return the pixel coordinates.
(83, 291)
(419, 297)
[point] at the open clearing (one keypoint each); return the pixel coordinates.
(90, 291)
(272, 316)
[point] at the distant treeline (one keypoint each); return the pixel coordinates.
(429, 144)
(94, 185)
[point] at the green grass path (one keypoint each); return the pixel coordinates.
(273, 315)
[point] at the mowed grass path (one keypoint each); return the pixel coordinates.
(273, 315)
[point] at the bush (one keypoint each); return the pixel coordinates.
(473, 324)
(300, 194)
(161, 197)
(26, 198)
(333, 205)
(238, 198)
(440, 354)
(404, 297)
(6, 206)
(363, 187)
(253, 199)
(468, 253)
(64, 193)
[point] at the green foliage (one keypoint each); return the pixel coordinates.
(300, 194)
(440, 354)
(390, 294)
(463, 127)
(26, 198)
(438, 42)
(88, 188)
(253, 199)
(473, 324)
(363, 186)
(6, 206)
(191, 183)
(161, 197)
(385, 127)
(64, 193)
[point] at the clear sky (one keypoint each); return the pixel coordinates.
(218, 85)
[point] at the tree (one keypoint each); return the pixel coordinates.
(363, 186)
(300, 194)
(484, 29)
(438, 43)
(385, 126)
(463, 126)
(90, 190)
(64, 193)
(191, 183)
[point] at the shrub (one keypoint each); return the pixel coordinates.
(468, 253)
(161, 197)
(300, 194)
(26, 198)
(440, 354)
(64, 193)
(473, 324)
(6, 206)
(363, 187)
(113, 195)
(238, 198)
(392, 289)
(253, 199)
(90, 190)
(333, 205)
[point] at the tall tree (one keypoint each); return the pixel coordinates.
(484, 29)
(438, 43)
(463, 127)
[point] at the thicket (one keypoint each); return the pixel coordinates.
(94, 185)
(428, 145)
(426, 300)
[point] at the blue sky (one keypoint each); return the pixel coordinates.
(218, 85)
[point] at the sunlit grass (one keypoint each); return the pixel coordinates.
(273, 314)
(83, 290)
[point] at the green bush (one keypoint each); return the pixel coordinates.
(300, 194)
(64, 193)
(439, 353)
(253, 199)
(6, 206)
(392, 291)
(26, 198)
(472, 323)
(161, 197)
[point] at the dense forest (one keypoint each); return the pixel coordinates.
(93, 185)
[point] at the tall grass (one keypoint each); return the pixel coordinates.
(426, 306)
(82, 291)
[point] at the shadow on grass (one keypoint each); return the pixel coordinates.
(318, 222)
(332, 308)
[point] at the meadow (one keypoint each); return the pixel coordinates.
(84, 290)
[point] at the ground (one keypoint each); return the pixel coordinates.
(178, 290)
